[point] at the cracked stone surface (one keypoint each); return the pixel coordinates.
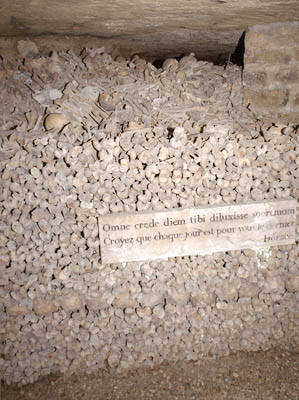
(209, 28)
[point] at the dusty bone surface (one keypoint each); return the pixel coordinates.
(177, 136)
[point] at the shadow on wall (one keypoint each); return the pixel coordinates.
(237, 57)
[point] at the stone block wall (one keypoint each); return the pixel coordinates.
(271, 71)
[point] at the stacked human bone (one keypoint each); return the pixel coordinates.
(87, 136)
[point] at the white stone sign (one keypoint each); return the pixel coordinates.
(203, 230)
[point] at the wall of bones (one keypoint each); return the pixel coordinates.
(87, 136)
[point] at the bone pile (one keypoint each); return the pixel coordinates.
(86, 136)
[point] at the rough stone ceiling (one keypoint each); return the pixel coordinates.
(152, 28)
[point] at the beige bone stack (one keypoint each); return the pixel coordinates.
(176, 137)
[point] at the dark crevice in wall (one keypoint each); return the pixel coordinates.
(238, 56)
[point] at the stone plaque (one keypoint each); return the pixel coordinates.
(203, 230)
